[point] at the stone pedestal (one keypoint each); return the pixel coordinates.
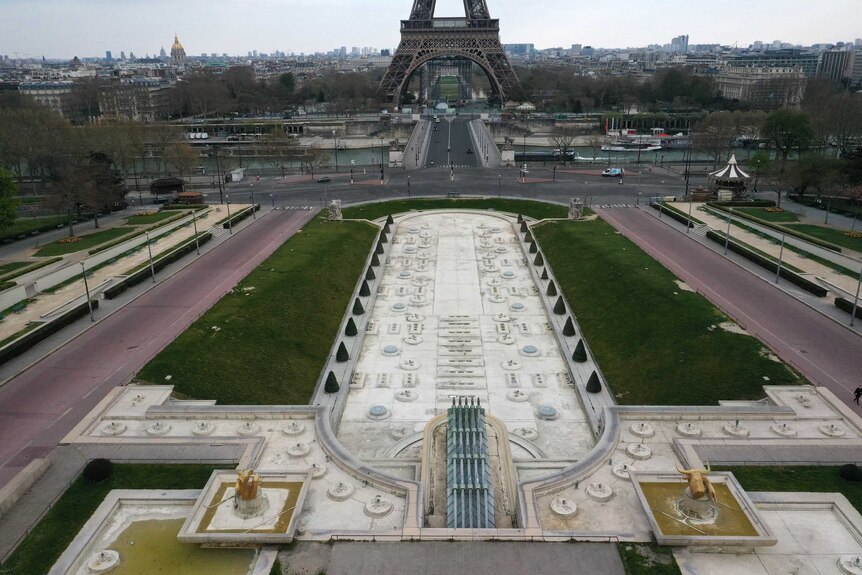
(335, 211)
(576, 209)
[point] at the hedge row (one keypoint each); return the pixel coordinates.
(783, 229)
(31, 338)
(673, 213)
(239, 216)
(160, 263)
(744, 204)
(195, 207)
(836, 205)
(768, 264)
(7, 285)
(847, 305)
(5, 238)
(27, 269)
(117, 241)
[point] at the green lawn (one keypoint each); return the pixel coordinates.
(86, 242)
(44, 545)
(537, 210)
(150, 218)
(25, 225)
(815, 478)
(652, 339)
(833, 235)
(647, 559)
(276, 327)
(762, 214)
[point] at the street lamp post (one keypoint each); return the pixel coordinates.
(195, 224)
(229, 221)
(90, 303)
(727, 234)
(253, 211)
(780, 256)
(688, 224)
(555, 173)
(150, 252)
(272, 199)
(856, 299)
(335, 138)
(499, 176)
(408, 186)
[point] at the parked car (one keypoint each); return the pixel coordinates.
(613, 173)
(323, 179)
(469, 151)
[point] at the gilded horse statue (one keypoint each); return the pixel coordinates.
(698, 482)
(247, 484)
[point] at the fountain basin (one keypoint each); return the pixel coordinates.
(736, 522)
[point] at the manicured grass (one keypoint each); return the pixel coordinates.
(647, 559)
(655, 343)
(835, 236)
(815, 478)
(44, 545)
(12, 266)
(86, 242)
(25, 225)
(537, 210)
(276, 328)
(148, 219)
(763, 214)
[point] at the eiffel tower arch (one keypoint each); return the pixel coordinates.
(476, 38)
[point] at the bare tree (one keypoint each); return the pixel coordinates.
(563, 140)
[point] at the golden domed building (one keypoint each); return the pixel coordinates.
(178, 53)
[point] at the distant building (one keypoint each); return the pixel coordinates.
(784, 58)
(162, 54)
(519, 50)
(108, 55)
(136, 99)
(52, 95)
(836, 65)
(761, 87)
(178, 53)
(679, 44)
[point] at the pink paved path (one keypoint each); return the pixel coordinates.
(825, 352)
(43, 403)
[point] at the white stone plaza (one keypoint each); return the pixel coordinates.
(461, 306)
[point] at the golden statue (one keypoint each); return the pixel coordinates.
(247, 484)
(698, 482)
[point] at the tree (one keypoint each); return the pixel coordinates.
(8, 199)
(789, 131)
(563, 139)
(758, 163)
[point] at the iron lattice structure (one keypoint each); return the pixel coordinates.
(470, 495)
(476, 37)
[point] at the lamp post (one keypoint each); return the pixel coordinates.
(727, 234)
(218, 175)
(253, 211)
(272, 199)
(90, 303)
(499, 177)
(229, 222)
(150, 252)
(780, 255)
(335, 138)
(856, 300)
(195, 224)
(408, 186)
(688, 224)
(555, 173)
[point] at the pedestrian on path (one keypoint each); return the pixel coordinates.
(857, 394)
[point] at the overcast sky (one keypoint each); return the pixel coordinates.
(66, 28)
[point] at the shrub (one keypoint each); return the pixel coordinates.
(545, 274)
(552, 289)
(560, 306)
(98, 470)
(341, 355)
(594, 385)
(350, 329)
(569, 329)
(533, 247)
(847, 306)
(850, 472)
(375, 261)
(539, 261)
(528, 238)
(357, 307)
(523, 227)
(383, 238)
(331, 384)
(379, 249)
(580, 354)
(389, 219)
(369, 275)
(364, 291)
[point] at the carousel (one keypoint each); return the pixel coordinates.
(729, 181)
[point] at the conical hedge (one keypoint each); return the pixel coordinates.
(594, 385)
(375, 261)
(364, 291)
(379, 249)
(524, 227)
(357, 307)
(580, 354)
(520, 218)
(383, 238)
(341, 355)
(331, 385)
(552, 289)
(528, 237)
(389, 219)
(539, 261)
(545, 274)
(350, 329)
(569, 328)
(370, 275)
(386, 229)
(533, 247)
(560, 306)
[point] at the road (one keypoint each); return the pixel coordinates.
(451, 144)
(826, 352)
(39, 406)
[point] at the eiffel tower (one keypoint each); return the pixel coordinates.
(475, 37)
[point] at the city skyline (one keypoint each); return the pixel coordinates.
(88, 28)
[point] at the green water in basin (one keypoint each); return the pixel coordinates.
(151, 547)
